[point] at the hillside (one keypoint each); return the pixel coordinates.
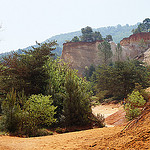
(118, 33)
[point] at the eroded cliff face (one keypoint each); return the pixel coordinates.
(135, 45)
(81, 54)
(147, 57)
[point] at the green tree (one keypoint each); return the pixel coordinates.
(11, 109)
(39, 111)
(108, 38)
(120, 78)
(105, 52)
(75, 39)
(26, 71)
(143, 27)
(77, 108)
(56, 69)
(146, 23)
(87, 34)
(97, 36)
(133, 102)
(89, 71)
(118, 52)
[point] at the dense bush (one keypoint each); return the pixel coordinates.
(133, 102)
(39, 111)
(100, 120)
(43, 132)
(46, 91)
(28, 118)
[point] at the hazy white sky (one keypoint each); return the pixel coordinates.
(26, 21)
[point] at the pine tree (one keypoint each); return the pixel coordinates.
(76, 104)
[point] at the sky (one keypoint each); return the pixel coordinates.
(25, 21)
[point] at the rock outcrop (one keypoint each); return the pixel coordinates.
(82, 54)
(135, 45)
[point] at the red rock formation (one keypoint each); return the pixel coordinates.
(135, 45)
(135, 38)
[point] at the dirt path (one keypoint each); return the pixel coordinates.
(67, 141)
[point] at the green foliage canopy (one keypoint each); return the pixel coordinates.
(143, 27)
(26, 71)
(75, 39)
(120, 78)
(39, 111)
(77, 108)
(27, 117)
(105, 52)
(89, 36)
(133, 102)
(108, 38)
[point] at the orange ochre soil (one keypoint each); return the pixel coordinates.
(133, 135)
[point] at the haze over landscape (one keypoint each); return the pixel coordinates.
(24, 22)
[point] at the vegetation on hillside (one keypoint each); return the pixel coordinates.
(133, 102)
(143, 27)
(105, 53)
(117, 80)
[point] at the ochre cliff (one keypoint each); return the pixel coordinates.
(81, 54)
(135, 45)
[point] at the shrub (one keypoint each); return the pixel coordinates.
(133, 102)
(43, 132)
(11, 111)
(119, 79)
(28, 118)
(61, 130)
(99, 120)
(101, 95)
(142, 91)
(39, 111)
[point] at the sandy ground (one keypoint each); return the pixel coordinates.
(68, 141)
(107, 110)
